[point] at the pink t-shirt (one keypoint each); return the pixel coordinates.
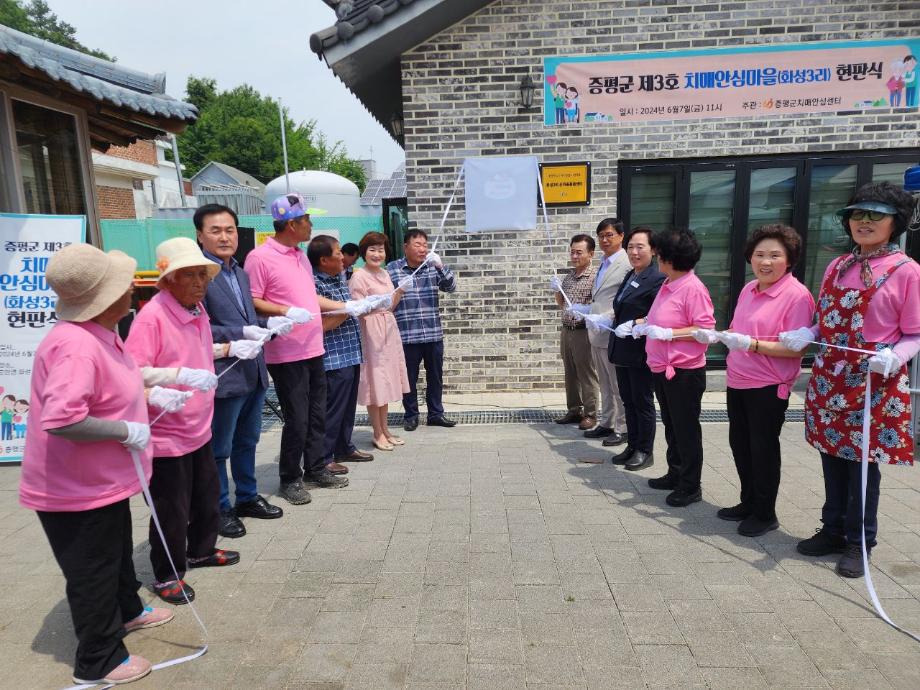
(680, 303)
(895, 308)
(166, 334)
(282, 275)
(784, 306)
(80, 370)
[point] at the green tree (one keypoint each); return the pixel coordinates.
(37, 19)
(240, 127)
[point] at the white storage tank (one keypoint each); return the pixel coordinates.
(334, 193)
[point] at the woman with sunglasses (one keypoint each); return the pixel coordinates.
(868, 301)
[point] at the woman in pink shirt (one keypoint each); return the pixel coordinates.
(761, 371)
(869, 301)
(678, 362)
(87, 412)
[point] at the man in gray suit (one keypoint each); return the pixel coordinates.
(614, 267)
(237, 422)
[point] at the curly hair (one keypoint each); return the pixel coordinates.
(374, 239)
(678, 247)
(784, 234)
(886, 193)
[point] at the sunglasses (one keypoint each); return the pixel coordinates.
(860, 214)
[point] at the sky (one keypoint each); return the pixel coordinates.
(264, 44)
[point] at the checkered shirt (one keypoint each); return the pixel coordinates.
(578, 289)
(342, 343)
(417, 314)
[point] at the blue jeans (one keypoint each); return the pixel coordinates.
(235, 433)
(842, 512)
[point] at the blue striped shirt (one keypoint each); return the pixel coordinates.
(417, 314)
(342, 343)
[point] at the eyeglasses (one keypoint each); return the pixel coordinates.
(860, 214)
(606, 236)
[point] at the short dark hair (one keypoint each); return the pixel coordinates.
(886, 193)
(784, 234)
(909, 57)
(211, 210)
(351, 249)
(614, 223)
(587, 239)
(320, 246)
(374, 239)
(679, 247)
(413, 234)
(639, 230)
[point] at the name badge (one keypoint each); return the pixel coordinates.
(634, 283)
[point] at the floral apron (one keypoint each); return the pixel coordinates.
(836, 390)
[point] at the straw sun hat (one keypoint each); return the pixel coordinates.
(182, 252)
(88, 280)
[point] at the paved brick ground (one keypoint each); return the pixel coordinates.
(493, 557)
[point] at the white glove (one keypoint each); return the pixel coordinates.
(168, 399)
(624, 330)
(705, 336)
(381, 301)
(885, 362)
(406, 283)
(138, 436)
(299, 315)
(358, 307)
(555, 284)
(245, 349)
(202, 379)
(640, 329)
(580, 309)
(659, 333)
(434, 258)
(597, 322)
(280, 325)
(256, 333)
(796, 340)
(736, 341)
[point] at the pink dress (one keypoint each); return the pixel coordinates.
(383, 373)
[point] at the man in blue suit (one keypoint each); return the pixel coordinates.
(238, 404)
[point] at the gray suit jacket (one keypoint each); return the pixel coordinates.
(603, 293)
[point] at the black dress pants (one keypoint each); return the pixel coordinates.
(341, 403)
(432, 354)
(94, 551)
(755, 417)
(680, 400)
(301, 390)
(637, 388)
(186, 495)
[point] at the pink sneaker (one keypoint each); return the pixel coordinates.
(149, 618)
(131, 669)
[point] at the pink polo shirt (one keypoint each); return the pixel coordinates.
(166, 334)
(283, 275)
(784, 306)
(80, 370)
(895, 308)
(679, 303)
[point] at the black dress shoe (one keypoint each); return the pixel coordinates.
(754, 526)
(230, 526)
(665, 483)
(258, 508)
(355, 456)
(734, 514)
(569, 418)
(639, 461)
(615, 439)
(598, 432)
(681, 499)
(623, 456)
(410, 424)
(442, 421)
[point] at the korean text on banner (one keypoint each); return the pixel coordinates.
(28, 302)
(501, 193)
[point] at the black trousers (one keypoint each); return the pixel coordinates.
(186, 495)
(94, 551)
(341, 403)
(755, 417)
(301, 389)
(842, 511)
(432, 354)
(680, 400)
(637, 388)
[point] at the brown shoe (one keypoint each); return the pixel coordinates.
(587, 423)
(336, 468)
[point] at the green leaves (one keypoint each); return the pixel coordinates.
(37, 19)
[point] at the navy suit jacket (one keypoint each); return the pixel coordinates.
(629, 351)
(227, 321)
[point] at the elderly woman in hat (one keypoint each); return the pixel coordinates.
(88, 405)
(172, 333)
(868, 301)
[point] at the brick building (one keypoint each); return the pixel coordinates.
(120, 172)
(445, 77)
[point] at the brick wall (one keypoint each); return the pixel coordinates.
(460, 93)
(114, 202)
(140, 151)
